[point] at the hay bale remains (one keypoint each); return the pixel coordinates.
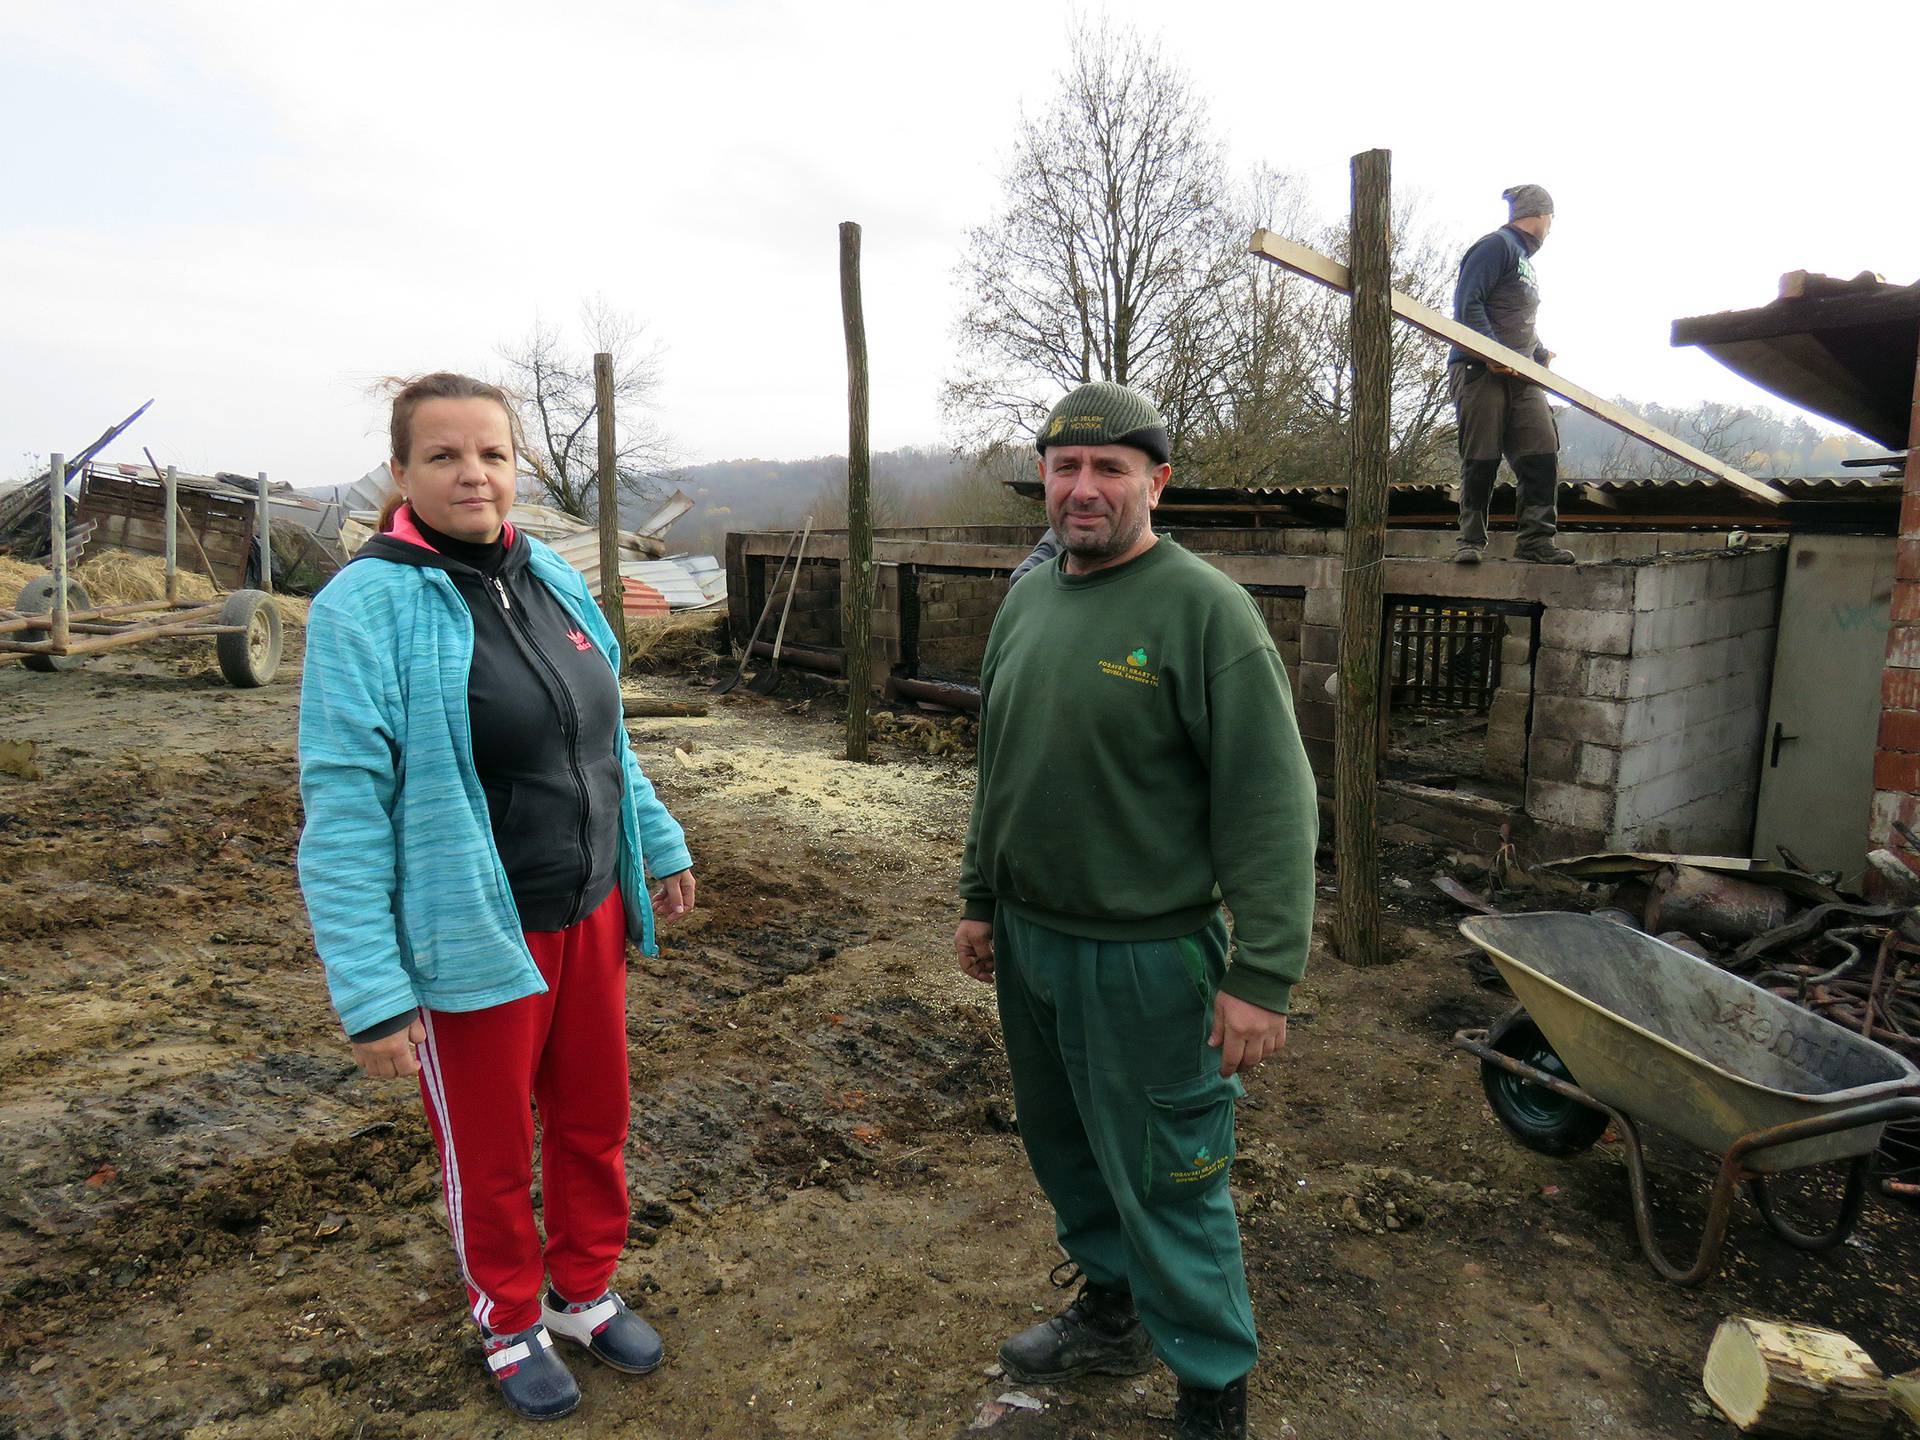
(120, 577)
(14, 574)
(670, 642)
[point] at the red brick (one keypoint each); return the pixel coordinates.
(1900, 730)
(1894, 771)
(1903, 646)
(1900, 689)
(1906, 602)
(1910, 512)
(1906, 560)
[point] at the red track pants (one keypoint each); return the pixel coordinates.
(482, 1071)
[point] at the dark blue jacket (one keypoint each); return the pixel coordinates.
(1497, 294)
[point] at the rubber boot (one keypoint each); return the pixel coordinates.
(1476, 494)
(1536, 510)
(1098, 1334)
(1211, 1414)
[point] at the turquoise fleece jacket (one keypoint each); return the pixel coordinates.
(408, 899)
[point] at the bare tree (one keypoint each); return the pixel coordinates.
(553, 380)
(1721, 430)
(1119, 253)
(1099, 262)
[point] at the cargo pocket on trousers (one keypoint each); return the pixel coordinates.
(1189, 1148)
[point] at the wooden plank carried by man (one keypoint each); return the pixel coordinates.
(1328, 271)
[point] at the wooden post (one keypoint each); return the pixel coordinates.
(266, 539)
(613, 597)
(856, 576)
(172, 483)
(57, 557)
(1357, 729)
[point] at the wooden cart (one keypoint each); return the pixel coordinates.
(54, 624)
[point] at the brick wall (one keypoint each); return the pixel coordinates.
(1896, 760)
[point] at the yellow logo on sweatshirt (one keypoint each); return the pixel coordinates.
(1134, 669)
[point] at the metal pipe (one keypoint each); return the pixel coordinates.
(57, 557)
(807, 657)
(954, 697)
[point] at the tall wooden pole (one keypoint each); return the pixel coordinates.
(57, 632)
(266, 538)
(172, 483)
(613, 598)
(1357, 731)
(856, 579)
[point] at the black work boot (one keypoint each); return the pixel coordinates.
(1098, 1334)
(1211, 1414)
(1544, 554)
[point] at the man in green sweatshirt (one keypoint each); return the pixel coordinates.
(1139, 763)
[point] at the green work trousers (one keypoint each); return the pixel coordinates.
(1129, 1126)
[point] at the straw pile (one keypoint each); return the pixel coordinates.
(14, 574)
(119, 577)
(670, 642)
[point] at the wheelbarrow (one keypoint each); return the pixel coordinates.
(1614, 1024)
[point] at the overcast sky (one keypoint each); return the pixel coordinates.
(248, 211)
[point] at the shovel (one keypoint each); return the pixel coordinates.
(723, 686)
(767, 679)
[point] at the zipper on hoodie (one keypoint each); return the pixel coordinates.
(522, 631)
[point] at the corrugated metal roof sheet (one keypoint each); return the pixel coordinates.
(681, 590)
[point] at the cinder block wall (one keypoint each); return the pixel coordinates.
(1283, 616)
(815, 617)
(1636, 717)
(1695, 688)
(956, 612)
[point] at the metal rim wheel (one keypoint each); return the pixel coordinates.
(1535, 1116)
(36, 598)
(250, 655)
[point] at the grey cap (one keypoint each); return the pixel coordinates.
(1525, 200)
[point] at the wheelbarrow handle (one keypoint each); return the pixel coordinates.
(1871, 1112)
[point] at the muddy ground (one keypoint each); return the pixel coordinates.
(214, 1228)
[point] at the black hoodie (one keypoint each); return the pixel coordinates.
(544, 708)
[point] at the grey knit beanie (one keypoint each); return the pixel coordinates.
(1525, 200)
(1104, 413)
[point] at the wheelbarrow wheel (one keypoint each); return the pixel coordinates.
(36, 598)
(1533, 1114)
(250, 656)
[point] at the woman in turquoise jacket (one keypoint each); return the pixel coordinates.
(475, 860)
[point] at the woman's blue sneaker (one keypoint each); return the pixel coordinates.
(533, 1380)
(612, 1333)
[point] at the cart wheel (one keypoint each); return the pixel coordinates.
(36, 598)
(1533, 1114)
(251, 656)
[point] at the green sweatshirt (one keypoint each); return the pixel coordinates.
(1139, 762)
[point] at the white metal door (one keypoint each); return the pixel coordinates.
(1816, 761)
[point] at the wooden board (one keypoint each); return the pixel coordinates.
(1315, 266)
